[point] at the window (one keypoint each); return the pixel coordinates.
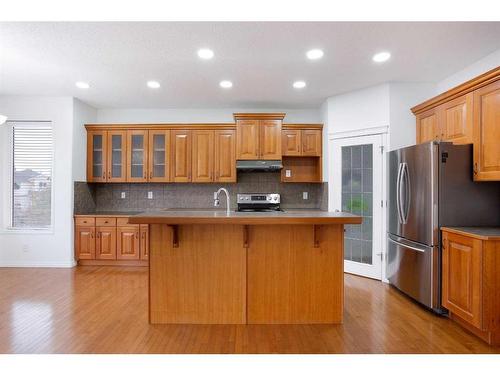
(32, 157)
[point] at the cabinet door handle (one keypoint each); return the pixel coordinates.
(475, 168)
(91, 234)
(109, 174)
(137, 235)
(104, 176)
(150, 175)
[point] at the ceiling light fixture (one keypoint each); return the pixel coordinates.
(205, 53)
(3, 119)
(299, 84)
(226, 84)
(381, 57)
(314, 54)
(153, 84)
(82, 85)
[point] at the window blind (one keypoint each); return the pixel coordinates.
(32, 176)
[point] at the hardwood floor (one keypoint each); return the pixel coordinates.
(104, 310)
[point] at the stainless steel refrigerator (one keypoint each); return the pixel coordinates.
(430, 186)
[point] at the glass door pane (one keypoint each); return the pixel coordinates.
(137, 149)
(357, 198)
(159, 152)
(97, 156)
(117, 143)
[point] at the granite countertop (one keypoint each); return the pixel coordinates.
(482, 233)
(199, 216)
(109, 213)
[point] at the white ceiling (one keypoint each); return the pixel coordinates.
(261, 59)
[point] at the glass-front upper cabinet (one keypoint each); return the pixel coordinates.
(117, 156)
(137, 155)
(96, 155)
(158, 158)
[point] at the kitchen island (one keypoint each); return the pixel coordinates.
(214, 267)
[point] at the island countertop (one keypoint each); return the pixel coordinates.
(172, 216)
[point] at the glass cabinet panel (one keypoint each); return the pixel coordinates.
(137, 157)
(97, 156)
(116, 155)
(159, 147)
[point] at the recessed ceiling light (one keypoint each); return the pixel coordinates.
(314, 54)
(205, 53)
(82, 85)
(226, 84)
(381, 57)
(299, 84)
(153, 84)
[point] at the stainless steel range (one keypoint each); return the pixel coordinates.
(258, 202)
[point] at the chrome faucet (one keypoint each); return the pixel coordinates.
(217, 201)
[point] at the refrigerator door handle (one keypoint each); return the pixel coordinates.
(405, 176)
(398, 193)
(405, 245)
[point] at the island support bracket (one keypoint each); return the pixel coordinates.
(316, 229)
(245, 236)
(175, 235)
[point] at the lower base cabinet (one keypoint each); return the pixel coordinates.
(471, 282)
(114, 243)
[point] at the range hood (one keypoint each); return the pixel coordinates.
(259, 165)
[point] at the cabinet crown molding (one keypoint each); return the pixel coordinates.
(259, 116)
(466, 87)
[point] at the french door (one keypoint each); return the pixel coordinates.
(356, 178)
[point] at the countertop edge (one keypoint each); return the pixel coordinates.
(467, 233)
(245, 220)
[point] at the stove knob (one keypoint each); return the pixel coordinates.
(275, 198)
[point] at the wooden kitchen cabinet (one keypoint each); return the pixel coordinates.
(486, 133)
(85, 242)
(181, 141)
(270, 139)
(291, 142)
(248, 138)
(159, 155)
(203, 156)
(462, 277)
(137, 155)
(311, 142)
(128, 243)
(225, 155)
(471, 281)
(97, 155)
(105, 244)
(144, 243)
(456, 120)
(116, 156)
(427, 126)
(258, 136)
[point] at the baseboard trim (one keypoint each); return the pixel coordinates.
(37, 264)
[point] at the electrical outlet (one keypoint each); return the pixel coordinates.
(150, 195)
(288, 173)
(305, 195)
(26, 248)
(123, 195)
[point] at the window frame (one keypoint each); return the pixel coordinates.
(9, 199)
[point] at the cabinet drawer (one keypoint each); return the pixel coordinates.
(85, 221)
(105, 221)
(122, 221)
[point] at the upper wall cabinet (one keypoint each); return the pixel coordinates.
(181, 155)
(487, 133)
(427, 126)
(225, 155)
(159, 156)
(468, 113)
(258, 136)
(137, 156)
(106, 156)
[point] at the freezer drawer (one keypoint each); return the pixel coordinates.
(414, 269)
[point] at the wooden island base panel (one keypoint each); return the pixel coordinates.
(231, 269)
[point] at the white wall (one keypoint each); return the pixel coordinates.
(402, 97)
(82, 114)
(53, 249)
(479, 67)
(198, 115)
(361, 109)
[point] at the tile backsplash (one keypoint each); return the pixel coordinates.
(91, 198)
